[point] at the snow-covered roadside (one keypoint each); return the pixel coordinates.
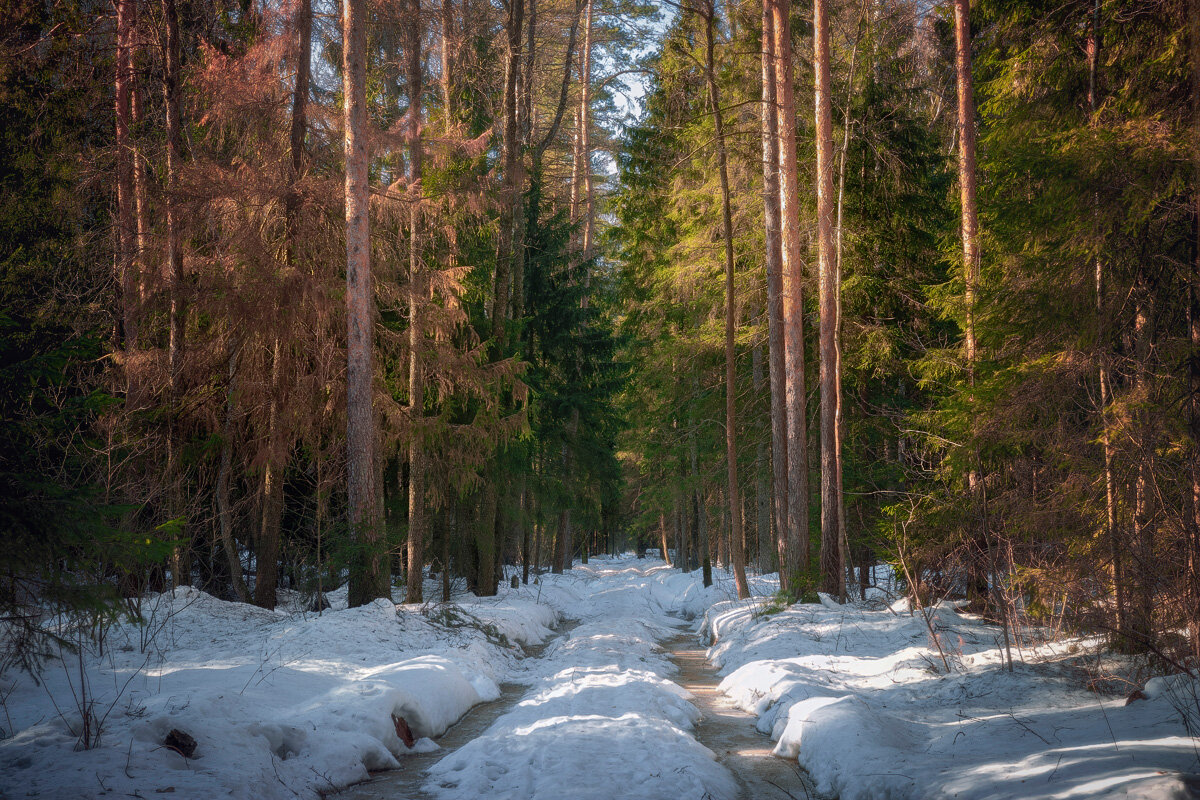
(280, 705)
(854, 693)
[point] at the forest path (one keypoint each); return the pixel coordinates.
(405, 783)
(730, 733)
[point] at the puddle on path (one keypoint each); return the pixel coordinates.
(730, 732)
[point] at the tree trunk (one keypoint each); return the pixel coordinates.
(525, 537)
(737, 554)
(776, 348)
(224, 512)
(1112, 532)
(267, 544)
(762, 495)
(662, 533)
(514, 23)
(417, 516)
(796, 529)
(833, 576)
(126, 270)
(369, 577)
(562, 543)
(1141, 612)
(1192, 598)
(977, 582)
(449, 65)
(178, 309)
(837, 279)
(266, 552)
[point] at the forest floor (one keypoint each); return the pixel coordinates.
(622, 702)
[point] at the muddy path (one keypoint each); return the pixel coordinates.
(730, 732)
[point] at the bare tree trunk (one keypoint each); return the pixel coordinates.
(141, 203)
(840, 416)
(977, 557)
(1192, 599)
(1112, 530)
(1141, 621)
(369, 578)
(796, 528)
(126, 230)
(562, 543)
(526, 544)
(737, 554)
(178, 309)
(776, 349)
(417, 516)
(449, 56)
(582, 115)
(585, 142)
(266, 553)
(762, 494)
(512, 166)
(224, 513)
(662, 533)
(833, 576)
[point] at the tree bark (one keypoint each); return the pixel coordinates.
(449, 64)
(737, 553)
(776, 348)
(1112, 532)
(126, 191)
(369, 578)
(762, 494)
(833, 575)
(977, 582)
(224, 512)
(417, 516)
(796, 529)
(1192, 598)
(174, 270)
(514, 23)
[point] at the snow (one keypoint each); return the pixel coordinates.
(279, 703)
(859, 696)
(602, 717)
(286, 704)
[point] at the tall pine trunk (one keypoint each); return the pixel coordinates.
(737, 552)
(1112, 531)
(174, 268)
(126, 267)
(776, 349)
(1192, 598)
(796, 528)
(977, 582)
(417, 517)
(369, 576)
(833, 576)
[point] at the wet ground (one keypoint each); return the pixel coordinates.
(730, 732)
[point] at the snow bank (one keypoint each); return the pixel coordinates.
(602, 720)
(860, 698)
(280, 704)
